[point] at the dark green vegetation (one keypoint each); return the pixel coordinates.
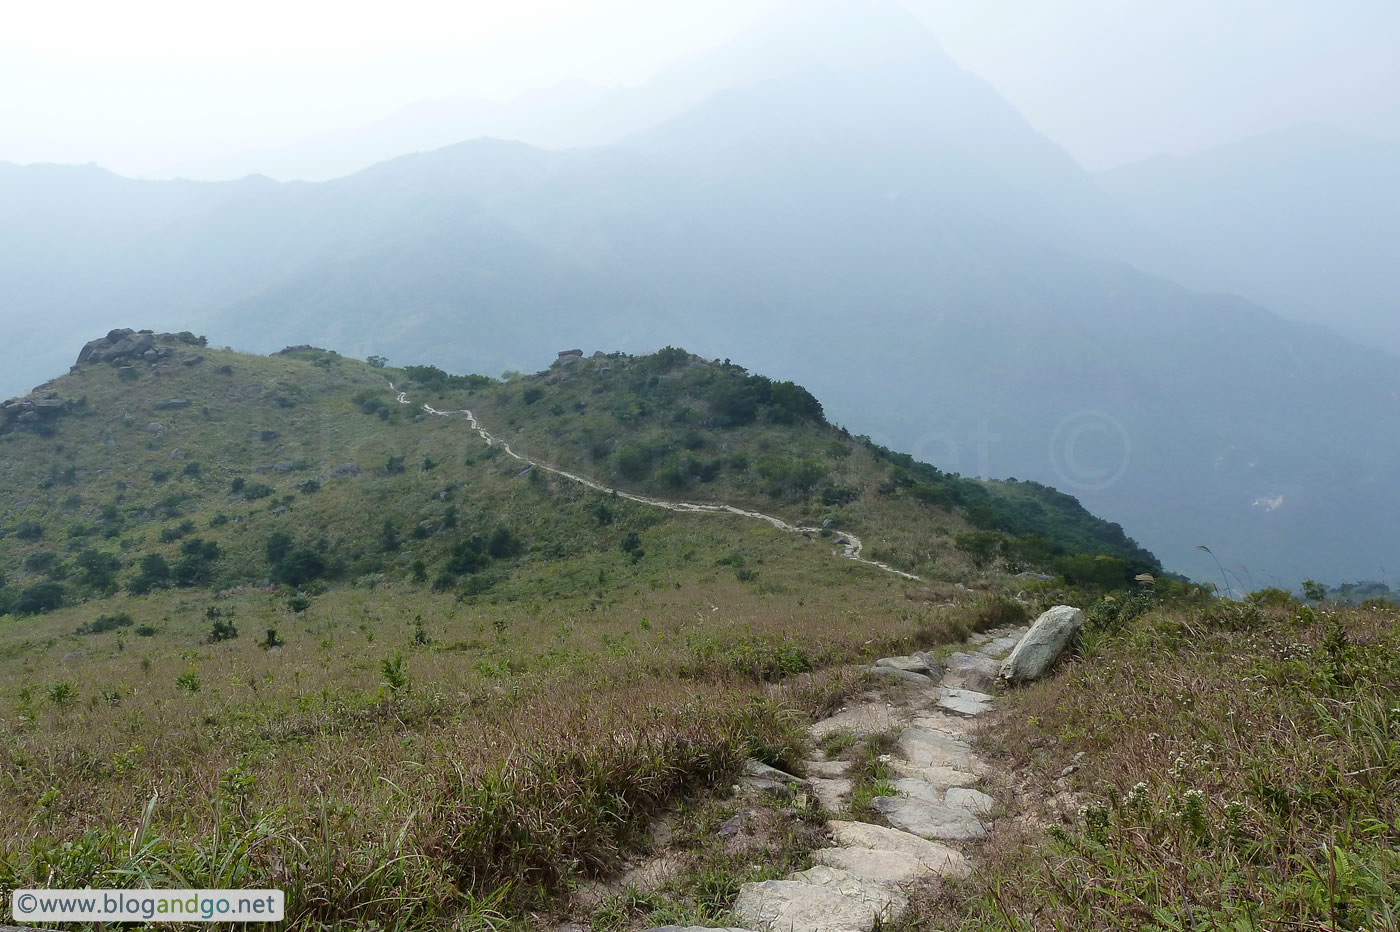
(302, 470)
(1240, 769)
(272, 624)
(677, 426)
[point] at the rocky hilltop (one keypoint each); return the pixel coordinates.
(124, 347)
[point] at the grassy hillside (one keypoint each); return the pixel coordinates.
(302, 469)
(1201, 766)
(674, 425)
(272, 623)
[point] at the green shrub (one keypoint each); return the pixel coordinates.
(40, 560)
(40, 597)
(105, 623)
(503, 544)
(982, 547)
(62, 694)
(299, 567)
(155, 573)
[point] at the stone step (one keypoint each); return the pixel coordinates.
(918, 679)
(791, 905)
(827, 769)
(970, 671)
(914, 663)
(755, 768)
(941, 859)
(758, 777)
(928, 747)
(929, 820)
(972, 800)
(940, 777)
(964, 701)
(887, 901)
(831, 794)
(876, 865)
(999, 648)
(861, 719)
(915, 788)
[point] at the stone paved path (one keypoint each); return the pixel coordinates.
(851, 546)
(866, 875)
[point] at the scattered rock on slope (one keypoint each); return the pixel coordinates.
(1037, 652)
(915, 663)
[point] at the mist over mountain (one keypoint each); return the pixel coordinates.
(821, 33)
(1306, 220)
(879, 226)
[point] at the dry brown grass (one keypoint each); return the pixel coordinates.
(1240, 770)
(528, 746)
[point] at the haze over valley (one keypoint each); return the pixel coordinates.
(831, 198)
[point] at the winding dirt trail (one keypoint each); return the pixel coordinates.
(851, 545)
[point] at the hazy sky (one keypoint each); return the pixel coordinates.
(144, 85)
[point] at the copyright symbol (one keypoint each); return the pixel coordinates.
(26, 903)
(1090, 450)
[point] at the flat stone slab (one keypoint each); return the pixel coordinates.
(964, 701)
(936, 719)
(908, 676)
(940, 777)
(693, 929)
(935, 748)
(864, 719)
(876, 865)
(941, 859)
(915, 788)
(761, 778)
(1000, 647)
(886, 901)
(827, 769)
(831, 794)
(791, 905)
(972, 800)
(912, 663)
(754, 768)
(929, 820)
(970, 671)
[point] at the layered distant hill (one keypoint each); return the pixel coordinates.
(884, 230)
(1306, 220)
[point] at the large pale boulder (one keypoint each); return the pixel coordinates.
(1037, 652)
